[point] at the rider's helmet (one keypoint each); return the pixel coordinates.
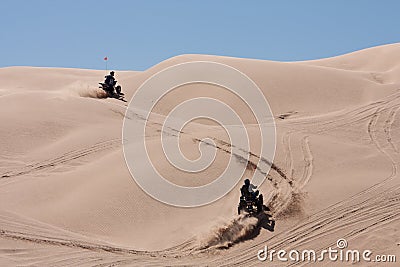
(112, 73)
(247, 182)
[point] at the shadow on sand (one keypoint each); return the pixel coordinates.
(264, 222)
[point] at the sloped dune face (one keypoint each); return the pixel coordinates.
(67, 196)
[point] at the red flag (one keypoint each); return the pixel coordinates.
(106, 58)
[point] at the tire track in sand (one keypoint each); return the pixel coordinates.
(63, 159)
(388, 127)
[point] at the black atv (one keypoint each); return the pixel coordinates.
(111, 92)
(251, 204)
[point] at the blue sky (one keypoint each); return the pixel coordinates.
(138, 34)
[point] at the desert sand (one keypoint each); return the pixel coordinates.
(68, 199)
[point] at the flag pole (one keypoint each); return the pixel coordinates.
(106, 60)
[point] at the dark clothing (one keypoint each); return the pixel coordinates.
(109, 85)
(247, 192)
(110, 81)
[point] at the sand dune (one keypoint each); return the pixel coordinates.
(67, 197)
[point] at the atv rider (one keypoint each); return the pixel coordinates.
(247, 190)
(110, 82)
(248, 193)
